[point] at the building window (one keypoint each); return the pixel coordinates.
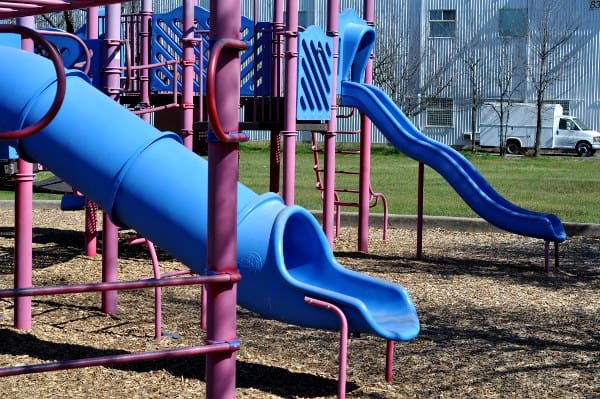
(442, 23)
(440, 112)
(513, 22)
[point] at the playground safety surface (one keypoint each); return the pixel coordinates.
(494, 325)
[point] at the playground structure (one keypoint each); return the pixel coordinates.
(270, 252)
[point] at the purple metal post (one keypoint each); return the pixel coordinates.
(365, 151)
(420, 182)
(187, 76)
(547, 256)
(330, 135)
(91, 215)
(389, 361)
(145, 57)
(112, 84)
(23, 221)
(343, 355)
(225, 23)
(289, 123)
(276, 81)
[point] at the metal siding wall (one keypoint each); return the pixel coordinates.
(477, 22)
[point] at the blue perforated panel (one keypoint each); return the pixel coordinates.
(166, 36)
(315, 60)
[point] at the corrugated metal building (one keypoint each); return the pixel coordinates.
(451, 53)
(448, 53)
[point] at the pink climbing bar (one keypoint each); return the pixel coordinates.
(121, 359)
(211, 96)
(343, 355)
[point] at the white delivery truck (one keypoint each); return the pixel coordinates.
(559, 131)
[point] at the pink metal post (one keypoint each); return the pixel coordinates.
(91, 216)
(23, 221)
(276, 81)
(389, 361)
(145, 57)
(112, 79)
(365, 152)
(330, 135)
(289, 123)
(225, 23)
(420, 183)
(187, 76)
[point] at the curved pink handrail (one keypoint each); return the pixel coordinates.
(61, 85)
(211, 100)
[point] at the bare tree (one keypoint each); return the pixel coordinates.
(407, 73)
(550, 34)
(61, 20)
(507, 81)
(471, 58)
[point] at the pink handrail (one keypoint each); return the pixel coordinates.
(61, 83)
(343, 355)
(211, 71)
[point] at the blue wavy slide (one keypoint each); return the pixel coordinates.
(146, 180)
(450, 164)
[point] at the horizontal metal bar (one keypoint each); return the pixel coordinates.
(119, 285)
(120, 359)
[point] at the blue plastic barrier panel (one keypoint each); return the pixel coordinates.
(315, 75)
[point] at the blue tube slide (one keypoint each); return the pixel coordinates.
(450, 164)
(146, 180)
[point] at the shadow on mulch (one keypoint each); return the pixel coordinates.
(249, 375)
(60, 246)
(519, 265)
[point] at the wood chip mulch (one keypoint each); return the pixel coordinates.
(494, 325)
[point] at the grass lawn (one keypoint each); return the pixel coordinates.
(564, 185)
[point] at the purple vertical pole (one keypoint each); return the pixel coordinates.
(276, 57)
(112, 76)
(145, 57)
(187, 75)
(289, 123)
(330, 135)
(420, 183)
(365, 151)
(92, 23)
(23, 221)
(91, 216)
(225, 22)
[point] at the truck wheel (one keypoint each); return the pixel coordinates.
(584, 149)
(513, 147)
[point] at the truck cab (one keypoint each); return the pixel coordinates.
(572, 133)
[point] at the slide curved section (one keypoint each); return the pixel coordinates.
(146, 180)
(450, 164)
